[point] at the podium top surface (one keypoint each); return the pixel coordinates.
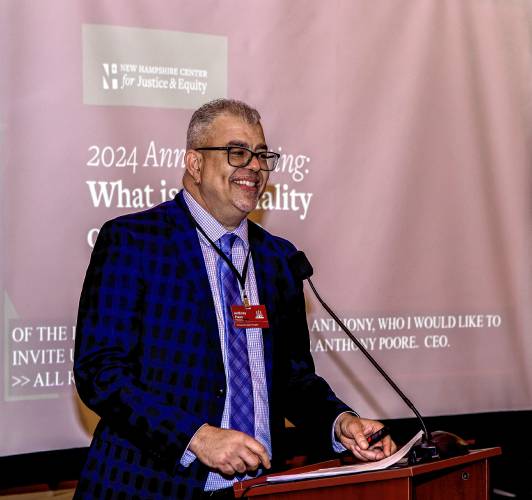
(252, 488)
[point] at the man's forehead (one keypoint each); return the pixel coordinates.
(234, 129)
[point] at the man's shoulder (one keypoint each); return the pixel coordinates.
(153, 219)
(166, 222)
(275, 244)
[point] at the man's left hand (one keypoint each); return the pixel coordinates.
(352, 432)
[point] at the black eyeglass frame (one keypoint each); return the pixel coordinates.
(253, 154)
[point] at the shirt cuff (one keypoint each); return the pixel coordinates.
(336, 445)
(189, 457)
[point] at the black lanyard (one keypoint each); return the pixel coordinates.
(240, 277)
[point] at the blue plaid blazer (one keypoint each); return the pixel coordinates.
(148, 358)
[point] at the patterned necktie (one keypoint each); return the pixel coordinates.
(241, 391)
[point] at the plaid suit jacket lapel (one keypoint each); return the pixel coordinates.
(181, 226)
(263, 263)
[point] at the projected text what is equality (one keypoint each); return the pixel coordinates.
(279, 196)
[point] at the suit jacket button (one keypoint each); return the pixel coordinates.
(220, 392)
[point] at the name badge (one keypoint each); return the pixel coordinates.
(250, 316)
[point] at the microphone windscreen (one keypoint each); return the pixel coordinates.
(300, 266)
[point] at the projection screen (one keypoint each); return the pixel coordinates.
(405, 137)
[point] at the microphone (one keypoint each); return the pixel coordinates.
(438, 444)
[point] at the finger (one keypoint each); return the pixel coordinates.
(251, 460)
(227, 469)
(372, 454)
(352, 446)
(361, 440)
(238, 465)
(259, 451)
(356, 453)
(387, 446)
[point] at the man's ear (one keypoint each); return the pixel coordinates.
(194, 164)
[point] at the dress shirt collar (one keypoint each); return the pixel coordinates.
(210, 225)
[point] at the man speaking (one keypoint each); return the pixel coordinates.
(192, 343)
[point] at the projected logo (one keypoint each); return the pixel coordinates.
(154, 68)
(109, 79)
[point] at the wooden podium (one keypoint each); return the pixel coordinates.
(465, 478)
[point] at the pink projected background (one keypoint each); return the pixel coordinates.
(405, 134)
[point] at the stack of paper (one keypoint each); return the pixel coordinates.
(349, 469)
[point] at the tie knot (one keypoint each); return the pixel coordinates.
(226, 243)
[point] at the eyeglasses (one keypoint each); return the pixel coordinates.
(240, 157)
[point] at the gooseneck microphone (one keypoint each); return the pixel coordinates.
(433, 445)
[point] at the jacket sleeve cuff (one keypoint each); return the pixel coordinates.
(188, 457)
(336, 445)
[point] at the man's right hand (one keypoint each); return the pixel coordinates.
(228, 451)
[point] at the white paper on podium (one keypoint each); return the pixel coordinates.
(349, 469)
